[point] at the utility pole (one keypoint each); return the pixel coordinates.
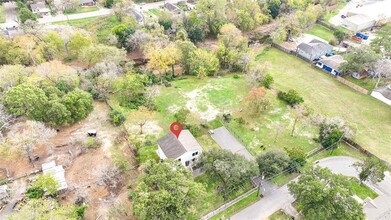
(259, 186)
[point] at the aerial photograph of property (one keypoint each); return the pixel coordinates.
(195, 109)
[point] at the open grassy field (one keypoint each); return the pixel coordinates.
(369, 117)
(322, 32)
(362, 190)
(2, 14)
(210, 97)
(98, 26)
(83, 10)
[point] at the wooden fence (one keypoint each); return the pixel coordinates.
(352, 85)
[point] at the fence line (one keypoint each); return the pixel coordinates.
(352, 85)
(228, 204)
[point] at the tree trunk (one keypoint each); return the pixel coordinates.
(141, 128)
(67, 50)
(294, 126)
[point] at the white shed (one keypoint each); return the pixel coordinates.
(383, 94)
(358, 23)
(57, 172)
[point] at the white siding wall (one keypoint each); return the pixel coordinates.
(379, 96)
(160, 153)
(188, 156)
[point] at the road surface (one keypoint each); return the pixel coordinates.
(11, 19)
(377, 209)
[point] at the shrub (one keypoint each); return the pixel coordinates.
(240, 121)
(291, 97)
(236, 76)
(35, 193)
(195, 130)
(92, 143)
(267, 81)
(333, 42)
(117, 117)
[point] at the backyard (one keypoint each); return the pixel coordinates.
(99, 26)
(367, 116)
(322, 32)
(82, 10)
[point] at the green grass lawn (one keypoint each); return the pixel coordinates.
(154, 11)
(368, 117)
(322, 32)
(367, 83)
(147, 153)
(226, 94)
(280, 215)
(253, 197)
(98, 26)
(2, 14)
(212, 199)
(361, 190)
(83, 10)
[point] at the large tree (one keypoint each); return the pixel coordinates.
(256, 100)
(382, 42)
(332, 131)
(166, 191)
(213, 12)
(232, 46)
(358, 59)
(203, 63)
(322, 195)
(78, 103)
(229, 169)
(272, 162)
(371, 169)
(130, 89)
(245, 14)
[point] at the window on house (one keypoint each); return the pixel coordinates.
(195, 153)
(179, 159)
(187, 163)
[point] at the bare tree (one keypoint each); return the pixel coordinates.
(279, 128)
(383, 70)
(24, 136)
(5, 121)
(300, 111)
(256, 73)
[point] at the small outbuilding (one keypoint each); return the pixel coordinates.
(87, 2)
(383, 94)
(40, 9)
(360, 75)
(358, 23)
(184, 149)
(172, 8)
(58, 173)
(314, 49)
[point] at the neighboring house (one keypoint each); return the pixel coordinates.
(331, 64)
(383, 94)
(184, 149)
(360, 75)
(358, 23)
(314, 49)
(87, 2)
(40, 9)
(57, 172)
(172, 8)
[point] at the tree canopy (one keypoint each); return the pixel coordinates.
(371, 169)
(272, 162)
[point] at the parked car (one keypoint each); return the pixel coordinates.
(343, 16)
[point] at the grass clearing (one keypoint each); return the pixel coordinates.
(212, 199)
(367, 83)
(154, 11)
(322, 32)
(2, 14)
(253, 197)
(98, 26)
(83, 10)
(362, 190)
(367, 116)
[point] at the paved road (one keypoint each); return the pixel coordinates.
(379, 208)
(62, 17)
(337, 20)
(228, 142)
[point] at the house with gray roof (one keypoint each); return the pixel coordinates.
(314, 49)
(331, 64)
(172, 8)
(184, 149)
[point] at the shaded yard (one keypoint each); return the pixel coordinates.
(367, 116)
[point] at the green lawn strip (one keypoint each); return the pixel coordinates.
(367, 83)
(2, 14)
(325, 95)
(98, 26)
(253, 197)
(280, 215)
(322, 32)
(361, 190)
(284, 179)
(212, 199)
(264, 51)
(83, 10)
(154, 11)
